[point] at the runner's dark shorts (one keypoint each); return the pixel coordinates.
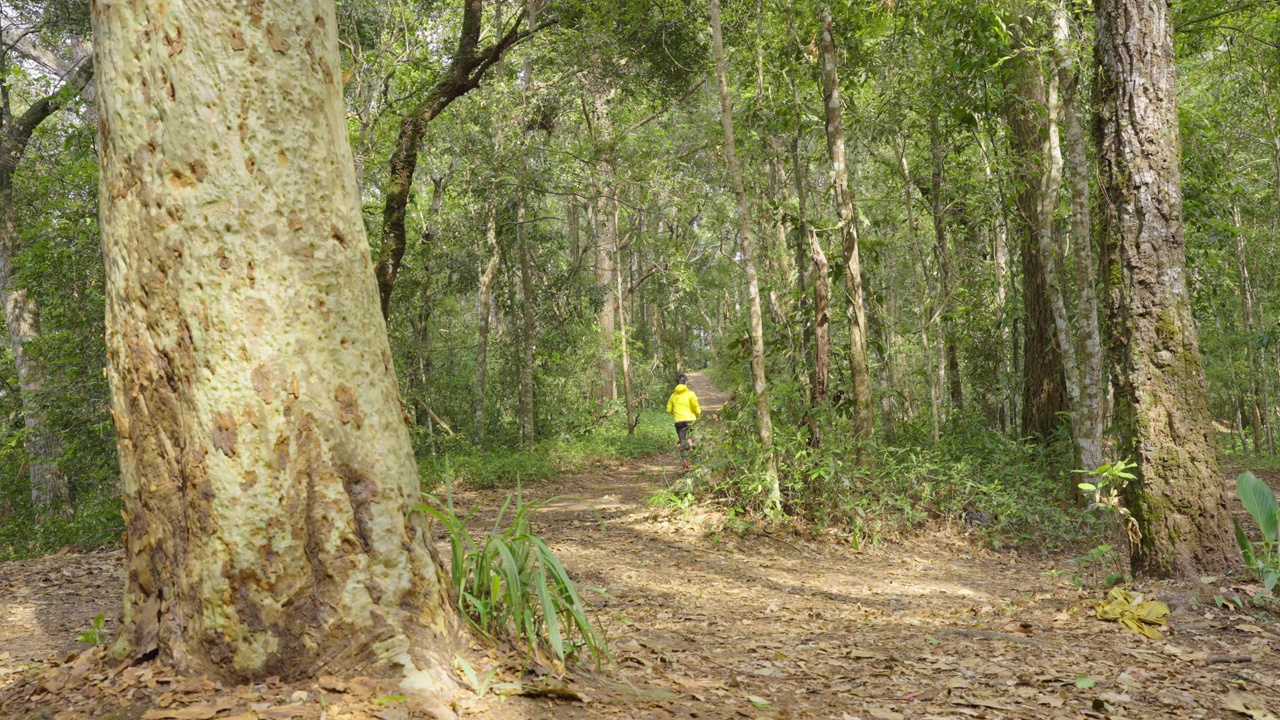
(682, 430)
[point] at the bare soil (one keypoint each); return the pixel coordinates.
(707, 623)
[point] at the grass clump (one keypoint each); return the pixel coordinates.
(513, 590)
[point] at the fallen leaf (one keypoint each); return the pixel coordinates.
(1249, 628)
(1246, 706)
(885, 714)
(193, 712)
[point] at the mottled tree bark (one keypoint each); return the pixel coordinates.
(859, 368)
(266, 468)
(1162, 411)
(484, 312)
(22, 315)
(1088, 435)
(759, 382)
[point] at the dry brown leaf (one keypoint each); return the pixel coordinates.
(192, 712)
(1246, 705)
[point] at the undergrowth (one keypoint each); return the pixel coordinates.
(491, 467)
(91, 521)
(512, 589)
(1010, 492)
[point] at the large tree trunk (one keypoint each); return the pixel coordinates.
(1162, 409)
(484, 312)
(859, 369)
(267, 473)
(22, 315)
(1042, 391)
(760, 385)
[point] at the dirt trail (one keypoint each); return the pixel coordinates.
(714, 625)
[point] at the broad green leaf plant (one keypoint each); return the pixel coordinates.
(1261, 559)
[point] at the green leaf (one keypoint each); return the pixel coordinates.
(1084, 682)
(1261, 503)
(1087, 487)
(1246, 547)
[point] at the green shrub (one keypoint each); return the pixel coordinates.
(511, 587)
(1012, 492)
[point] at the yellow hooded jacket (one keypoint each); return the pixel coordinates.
(683, 404)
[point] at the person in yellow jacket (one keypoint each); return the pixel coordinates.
(683, 406)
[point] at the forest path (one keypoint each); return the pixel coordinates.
(769, 626)
(713, 624)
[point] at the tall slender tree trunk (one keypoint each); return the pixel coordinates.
(628, 400)
(764, 421)
(925, 306)
(1088, 436)
(820, 372)
(1000, 258)
(421, 320)
(1043, 392)
(22, 314)
(527, 329)
(1162, 409)
(49, 484)
(606, 250)
(484, 313)
(467, 67)
(859, 368)
(266, 469)
(942, 251)
(1246, 301)
(1050, 188)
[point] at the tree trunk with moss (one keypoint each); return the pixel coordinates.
(266, 470)
(1162, 410)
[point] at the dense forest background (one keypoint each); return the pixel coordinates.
(559, 226)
